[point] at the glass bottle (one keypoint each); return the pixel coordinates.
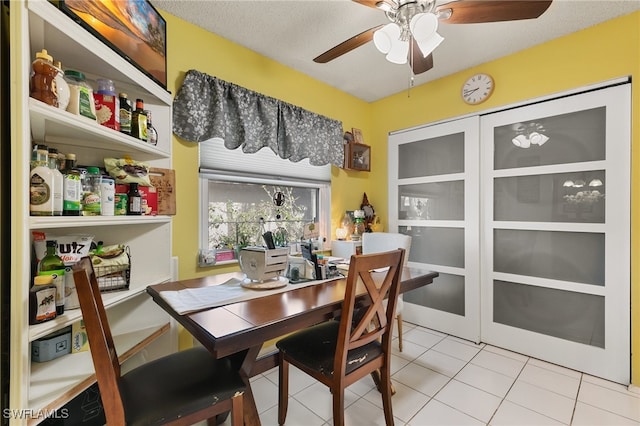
(152, 133)
(52, 264)
(62, 87)
(91, 196)
(139, 121)
(41, 185)
(125, 114)
(71, 188)
(42, 84)
(42, 299)
(57, 180)
(134, 206)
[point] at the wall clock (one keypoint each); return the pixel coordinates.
(477, 89)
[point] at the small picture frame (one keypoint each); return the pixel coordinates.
(357, 135)
(358, 156)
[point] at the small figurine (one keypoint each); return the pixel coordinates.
(369, 213)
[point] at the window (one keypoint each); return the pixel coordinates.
(237, 210)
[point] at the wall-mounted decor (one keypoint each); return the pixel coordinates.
(357, 156)
(357, 135)
(132, 28)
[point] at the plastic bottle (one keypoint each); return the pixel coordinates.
(139, 121)
(42, 299)
(81, 101)
(42, 84)
(41, 185)
(91, 197)
(134, 206)
(107, 194)
(64, 94)
(125, 114)
(152, 133)
(57, 180)
(52, 264)
(72, 188)
(106, 87)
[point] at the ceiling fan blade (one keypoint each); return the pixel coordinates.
(347, 45)
(479, 11)
(419, 63)
(373, 3)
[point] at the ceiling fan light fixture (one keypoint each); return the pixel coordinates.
(521, 141)
(399, 51)
(423, 26)
(384, 38)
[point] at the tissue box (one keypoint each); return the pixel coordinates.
(79, 338)
(52, 346)
(149, 197)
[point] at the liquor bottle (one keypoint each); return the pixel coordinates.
(52, 264)
(41, 184)
(125, 114)
(139, 121)
(72, 188)
(152, 133)
(57, 180)
(135, 200)
(42, 299)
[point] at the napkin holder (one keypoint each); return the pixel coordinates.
(261, 264)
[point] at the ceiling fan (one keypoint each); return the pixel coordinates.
(411, 35)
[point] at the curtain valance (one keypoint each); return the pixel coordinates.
(206, 107)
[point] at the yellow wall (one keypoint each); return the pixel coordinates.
(597, 54)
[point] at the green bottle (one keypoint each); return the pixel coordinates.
(52, 264)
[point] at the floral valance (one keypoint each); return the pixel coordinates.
(206, 107)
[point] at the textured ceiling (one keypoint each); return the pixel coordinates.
(293, 32)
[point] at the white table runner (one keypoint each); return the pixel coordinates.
(231, 291)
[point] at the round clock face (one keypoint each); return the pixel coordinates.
(477, 89)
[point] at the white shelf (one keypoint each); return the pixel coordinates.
(54, 222)
(51, 381)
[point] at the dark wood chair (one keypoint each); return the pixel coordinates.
(182, 388)
(339, 353)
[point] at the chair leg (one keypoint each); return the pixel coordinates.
(283, 387)
(237, 413)
(338, 405)
(399, 317)
(386, 395)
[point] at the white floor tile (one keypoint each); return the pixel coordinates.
(471, 401)
(499, 363)
(542, 401)
(410, 350)
(550, 380)
(622, 403)
(297, 379)
(422, 337)
(457, 349)
(556, 368)
(587, 415)
(265, 393)
(297, 415)
(510, 414)
(421, 379)
(364, 413)
(506, 353)
(397, 363)
(318, 399)
(485, 379)
(405, 403)
(436, 413)
(440, 362)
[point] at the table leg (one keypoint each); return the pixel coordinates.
(245, 360)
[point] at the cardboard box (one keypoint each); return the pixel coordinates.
(149, 197)
(52, 346)
(79, 338)
(108, 110)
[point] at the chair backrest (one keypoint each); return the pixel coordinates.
(379, 274)
(376, 242)
(103, 351)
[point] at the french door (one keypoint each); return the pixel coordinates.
(556, 231)
(525, 213)
(434, 197)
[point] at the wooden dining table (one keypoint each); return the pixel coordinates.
(239, 330)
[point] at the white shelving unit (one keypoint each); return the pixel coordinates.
(140, 328)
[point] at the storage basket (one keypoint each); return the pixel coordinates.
(114, 277)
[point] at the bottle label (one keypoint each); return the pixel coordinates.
(125, 120)
(40, 190)
(91, 203)
(45, 304)
(72, 193)
(58, 281)
(84, 104)
(135, 204)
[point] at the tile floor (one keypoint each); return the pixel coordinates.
(443, 380)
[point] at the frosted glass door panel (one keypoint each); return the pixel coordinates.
(573, 137)
(435, 156)
(437, 246)
(567, 256)
(432, 201)
(445, 294)
(558, 313)
(557, 197)
(556, 240)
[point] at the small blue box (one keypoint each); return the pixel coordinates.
(52, 346)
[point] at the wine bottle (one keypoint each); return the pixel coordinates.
(52, 264)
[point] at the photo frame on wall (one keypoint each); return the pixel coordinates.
(357, 135)
(132, 28)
